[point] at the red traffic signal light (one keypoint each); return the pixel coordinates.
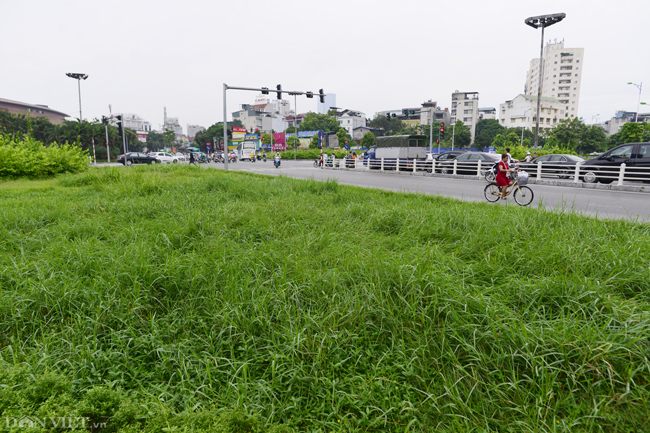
(442, 124)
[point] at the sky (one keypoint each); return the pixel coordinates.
(375, 55)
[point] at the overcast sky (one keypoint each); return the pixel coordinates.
(143, 55)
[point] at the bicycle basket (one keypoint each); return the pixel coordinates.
(522, 178)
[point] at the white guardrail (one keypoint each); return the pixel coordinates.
(568, 172)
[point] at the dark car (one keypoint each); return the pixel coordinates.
(137, 158)
(467, 163)
(606, 167)
(447, 156)
(560, 165)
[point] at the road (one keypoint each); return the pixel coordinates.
(592, 202)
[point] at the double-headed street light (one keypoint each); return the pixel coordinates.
(78, 77)
(542, 22)
(639, 86)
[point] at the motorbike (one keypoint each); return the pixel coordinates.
(264, 157)
(232, 158)
(253, 159)
(277, 162)
(202, 159)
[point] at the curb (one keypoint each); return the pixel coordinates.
(569, 184)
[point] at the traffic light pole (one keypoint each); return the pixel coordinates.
(265, 91)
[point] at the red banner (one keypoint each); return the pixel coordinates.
(237, 129)
(278, 137)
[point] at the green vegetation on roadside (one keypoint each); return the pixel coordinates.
(26, 157)
(170, 298)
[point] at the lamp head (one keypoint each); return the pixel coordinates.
(77, 76)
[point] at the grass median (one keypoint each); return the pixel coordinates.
(174, 297)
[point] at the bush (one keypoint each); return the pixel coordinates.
(30, 158)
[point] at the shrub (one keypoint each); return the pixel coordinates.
(30, 158)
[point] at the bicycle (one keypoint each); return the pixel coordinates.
(522, 194)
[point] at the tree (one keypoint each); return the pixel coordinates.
(368, 140)
(318, 122)
(313, 144)
(632, 132)
(342, 135)
(290, 130)
(461, 134)
(593, 139)
(293, 142)
(486, 132)
(155, 140)
(390, 127)
(267, 138)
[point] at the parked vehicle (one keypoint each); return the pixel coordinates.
(604, 168)
(467, 162)
(560, 165)
(137, 158)
(165, 157)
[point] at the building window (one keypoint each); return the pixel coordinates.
(556, 62)
(577, 61)
(576, 75)
(553, 76)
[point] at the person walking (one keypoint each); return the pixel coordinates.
(192, 160)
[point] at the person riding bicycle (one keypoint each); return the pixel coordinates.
(502, 175)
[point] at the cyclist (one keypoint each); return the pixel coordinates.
(503, 181)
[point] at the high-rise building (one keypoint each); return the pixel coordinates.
(464, 106)
(561, 76)
(330, 102)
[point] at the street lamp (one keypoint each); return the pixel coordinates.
(639, 86)
(542, 21)
(78, 77)
(595, 116)
(522, 129)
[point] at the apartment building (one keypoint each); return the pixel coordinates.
(464, 107)
(521, 112)
(349, 120)
(561, 76)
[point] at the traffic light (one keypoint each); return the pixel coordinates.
(105, 120)
(388, 116)
(442, 130)
(279, 87)
(265, 90)
(120, 130)
(310, 94)
(321, 95)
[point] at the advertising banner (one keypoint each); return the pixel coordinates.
(307, 134)
(237, 129)
(279, 147)
(278, 137)
(251, 137)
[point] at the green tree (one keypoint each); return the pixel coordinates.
(486, 132)
(593, 139)
(319, 122)
(267, 138)
(313, 144)
(390, 127)
(155, 140)
(368, 140)
(290, 130)
(342, 135)
(461, 134)
(632, 132)
(293, 142)
(169, 137)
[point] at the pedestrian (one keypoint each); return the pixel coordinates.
(192, 161)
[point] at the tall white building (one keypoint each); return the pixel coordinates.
(193, 129)
(464, 106)
(561, 76)
(324, 107)
(521, 112)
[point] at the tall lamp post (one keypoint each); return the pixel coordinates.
(639, 86)
(78, 77)
(542, 22)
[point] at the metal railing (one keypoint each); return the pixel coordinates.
(567, 172)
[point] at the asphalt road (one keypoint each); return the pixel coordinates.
(592, 202)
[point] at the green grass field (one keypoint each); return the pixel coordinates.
(179, 299)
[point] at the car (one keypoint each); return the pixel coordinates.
(180, 157)
(468, 163)
(447, 156)
(605, 168)
(137, 158)
(165, 157)
(561, 165)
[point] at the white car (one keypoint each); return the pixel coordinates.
(165, 157)
(180, 156)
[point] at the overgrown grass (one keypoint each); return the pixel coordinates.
(172, 297)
